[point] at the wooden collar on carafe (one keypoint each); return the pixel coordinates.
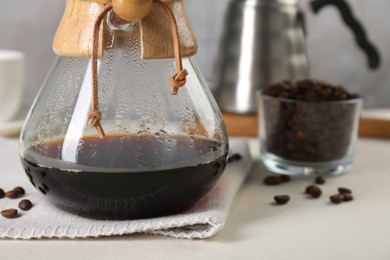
(131, 10)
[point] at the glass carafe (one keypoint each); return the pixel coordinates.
(161, 153)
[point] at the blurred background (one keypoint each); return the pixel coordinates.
(332, 51)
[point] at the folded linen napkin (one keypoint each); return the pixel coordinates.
(44, 220)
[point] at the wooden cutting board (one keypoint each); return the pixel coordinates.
(247, 125)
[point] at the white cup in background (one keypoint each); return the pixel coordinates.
(12, 73)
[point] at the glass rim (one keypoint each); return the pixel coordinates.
(358, 100)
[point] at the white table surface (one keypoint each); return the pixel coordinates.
(256, 229)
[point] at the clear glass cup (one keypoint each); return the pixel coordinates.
(301, 138)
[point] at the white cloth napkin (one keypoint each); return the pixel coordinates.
(44, 220)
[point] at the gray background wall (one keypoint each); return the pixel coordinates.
(333, 54)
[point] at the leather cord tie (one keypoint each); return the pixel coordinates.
(94, 116)
(176, 81)
(179, 79)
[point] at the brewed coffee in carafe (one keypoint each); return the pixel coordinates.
(112, 134)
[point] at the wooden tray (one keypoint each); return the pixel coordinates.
(247, 125)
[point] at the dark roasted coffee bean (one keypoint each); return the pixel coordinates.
(314, 191)
(19, 190)
(348, 196)
(320, 180)
(285, 177)
(344, 191)
(2, 193)
(12, 194)
(337, 198)
(25, 205)
(236, 157)
(326, 92)
(301, 135)
(9, 213)
(309, 189)
(281, 199)
(272, 180)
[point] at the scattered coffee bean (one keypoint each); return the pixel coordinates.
(285, 177)
(320, 180)
(337, 198)
(236, 157)
(309, 189)
(12, 194)
(273, 180)
(19, 190)
(314, 191)
(25, 204)
(282, 199)
(344, 191)
(9, 213)
(2, 193)
(15, 192)
(348, 197)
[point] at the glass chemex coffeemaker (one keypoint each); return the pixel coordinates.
(124, 125)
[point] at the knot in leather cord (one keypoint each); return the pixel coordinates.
(94, 118)
(177, 81)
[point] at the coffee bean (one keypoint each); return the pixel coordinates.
(344, 191)
(348, 196)
(285, 177)
(273, 180)
(301, 135)
(309, 189)
(325, 93)
(12, 194)
(19, 190)
(236, 157)
(15, 192)
(337, 198)
(25, 204)
(2, 193)
(281, 199)
(320, 180)
(9, 213)
(314, 191)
